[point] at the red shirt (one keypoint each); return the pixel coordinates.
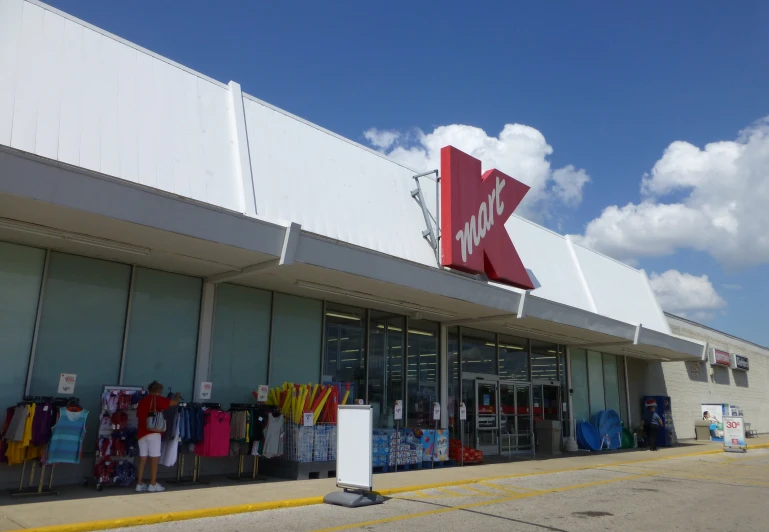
(143, 411)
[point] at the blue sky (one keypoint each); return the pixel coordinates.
(609, 86)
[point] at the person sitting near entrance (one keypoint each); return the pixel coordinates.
(150, 435)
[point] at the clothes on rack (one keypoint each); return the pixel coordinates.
(216, 434)
(273, 436)
(19, 435)
(171, 441)
(66, 445)
(191, 423)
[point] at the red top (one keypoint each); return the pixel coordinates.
(143, 411)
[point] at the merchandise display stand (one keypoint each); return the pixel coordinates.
(41, 489)
(254, 476)
(107, 461)
(194, 478)
(31, 490)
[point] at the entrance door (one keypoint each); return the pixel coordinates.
(487, 417)
(516, 417)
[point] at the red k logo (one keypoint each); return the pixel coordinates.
(474, 209)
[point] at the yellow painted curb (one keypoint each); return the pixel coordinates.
(153, 519)
(176, 516)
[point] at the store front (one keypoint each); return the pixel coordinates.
(131, 252)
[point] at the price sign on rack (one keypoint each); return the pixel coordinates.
(262, 392)
(67, 383)
(462, 412)
(308, 419)
(436, 411)
(205, 390)
(398, 411)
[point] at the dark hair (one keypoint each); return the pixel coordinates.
(155, 387)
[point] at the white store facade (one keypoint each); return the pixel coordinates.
(159, 224)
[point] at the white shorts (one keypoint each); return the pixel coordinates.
(149, 445)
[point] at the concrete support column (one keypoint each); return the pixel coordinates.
(205, 336)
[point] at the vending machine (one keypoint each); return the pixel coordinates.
(665, 437)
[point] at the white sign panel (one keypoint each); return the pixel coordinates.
(734, 433)
(398, 411)
(462, 412)
(67, 383)
(354, 456)
(262, 392)
(205, 390)
(436, 411)
(308, 419)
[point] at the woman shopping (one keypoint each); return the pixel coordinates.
(152, 424)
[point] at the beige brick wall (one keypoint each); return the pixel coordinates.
(689, 389)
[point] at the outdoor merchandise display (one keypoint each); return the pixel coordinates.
(42, 430)
(117, 446)
(309, 413)
(464, 454)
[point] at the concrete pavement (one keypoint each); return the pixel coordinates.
(707, 492)
(121, 507)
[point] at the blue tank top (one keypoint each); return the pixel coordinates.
(66, 442)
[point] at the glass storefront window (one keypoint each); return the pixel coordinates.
(345, 349)
(595, 382)
(163, 331)
(479, 352)
(241, 342)
(81, 330)
(423, 375)
(611, 383)
(513, 358)
(296, 340)
(21, 273)
(579, 398)
(544, 361)
(385, 379)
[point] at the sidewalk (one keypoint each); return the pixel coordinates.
(86, 509)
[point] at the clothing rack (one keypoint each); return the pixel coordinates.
(194, 478)
(217, 406)
(239, 407)
(41, 489)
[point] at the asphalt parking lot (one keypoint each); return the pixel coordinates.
(724, 492)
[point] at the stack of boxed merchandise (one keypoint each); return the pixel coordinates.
(383, 441)
(433, 444)
(463, 453)
(325, 443)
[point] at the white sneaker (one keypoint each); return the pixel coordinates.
(157, 488)
(141, 488)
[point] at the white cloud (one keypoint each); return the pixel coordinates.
(722, 191)
(520, 151)
(381, 139)
(686, 295)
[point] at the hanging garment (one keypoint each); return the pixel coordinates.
(273, 437)
(42, 423)
(238, 425)
(66, 445)
(4, 444)
(21, 450)
(16, 428)
(216, 434)
(170, 451)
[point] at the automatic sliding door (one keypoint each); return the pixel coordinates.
(487, 417)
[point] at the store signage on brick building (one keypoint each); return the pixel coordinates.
(720, 358)
(474, 209)
(740, 362)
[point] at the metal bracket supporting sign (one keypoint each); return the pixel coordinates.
(432, 233)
